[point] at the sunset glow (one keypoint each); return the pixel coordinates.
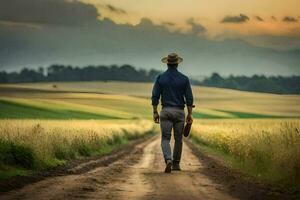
(209, 14)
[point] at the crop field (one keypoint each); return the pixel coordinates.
(266, 149)
(132, 100)
(38, 144)
(54, 122)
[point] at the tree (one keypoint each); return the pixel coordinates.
(57, 72)
(3, 77)
(215, 80)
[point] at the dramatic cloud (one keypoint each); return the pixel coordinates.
(289, 19)
(115, 9)
(141, 45)
(235, 19)
(168, 23)
(196, 27)
(258, 18)
(51, 12)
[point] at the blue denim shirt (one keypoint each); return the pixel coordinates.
(174, 89)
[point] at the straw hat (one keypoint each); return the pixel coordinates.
(172, 58)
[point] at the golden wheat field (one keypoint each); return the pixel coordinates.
(41, 135)
(268, 149)
(36, 144)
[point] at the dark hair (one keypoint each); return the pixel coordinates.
(173, 65)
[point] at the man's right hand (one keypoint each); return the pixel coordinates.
(189, 119)
(156, 117)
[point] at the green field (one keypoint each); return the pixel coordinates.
(117, 100)
(15, 110)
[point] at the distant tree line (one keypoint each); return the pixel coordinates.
(70, 73)
(257, 83)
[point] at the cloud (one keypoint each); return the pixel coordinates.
(196, 27)
(258, 18)
(146, 23)
(141, 45)
(168, 23)
(235, 19)
(115, 9)
(282, 43)
(274, 18)
(48, 12)
(289, 19)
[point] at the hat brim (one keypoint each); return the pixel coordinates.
(165, 60)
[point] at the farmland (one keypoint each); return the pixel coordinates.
(38, 144)
(131, 100)
(258, 134)
(266, 149)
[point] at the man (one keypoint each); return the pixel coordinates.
(175, 92)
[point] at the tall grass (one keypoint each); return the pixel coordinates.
(37, 144)
(266, 149)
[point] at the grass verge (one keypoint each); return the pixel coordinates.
(260, 167)
(38, 146)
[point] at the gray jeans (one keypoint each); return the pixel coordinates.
(171, 118)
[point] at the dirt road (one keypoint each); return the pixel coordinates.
(139, 175)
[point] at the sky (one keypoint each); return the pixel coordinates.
(265, 16)
(229, 37)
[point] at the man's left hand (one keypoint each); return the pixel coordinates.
(156, 117)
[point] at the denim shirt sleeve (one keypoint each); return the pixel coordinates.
(156, 92)
(188, 94)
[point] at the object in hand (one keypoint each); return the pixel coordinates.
(187, 129)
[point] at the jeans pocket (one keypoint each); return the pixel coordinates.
(180, 115)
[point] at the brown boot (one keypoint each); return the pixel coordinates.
(168, 168)
(176, 166)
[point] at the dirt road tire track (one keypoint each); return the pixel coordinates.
(73, 167)
(138, 174)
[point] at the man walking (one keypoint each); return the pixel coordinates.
(175, 92)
